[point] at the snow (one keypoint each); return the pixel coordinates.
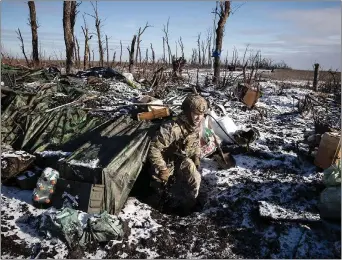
(54, 153)
(141, 223)
(90, 164)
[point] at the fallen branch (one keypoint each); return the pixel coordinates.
(71, 103)
(130, 105)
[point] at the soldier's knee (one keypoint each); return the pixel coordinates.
(188, 164)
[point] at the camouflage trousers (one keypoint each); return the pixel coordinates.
(183, 185)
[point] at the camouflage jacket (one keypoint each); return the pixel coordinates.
(173, 139)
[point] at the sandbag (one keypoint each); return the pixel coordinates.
(330, 203)
(332, 175)
(67, 224)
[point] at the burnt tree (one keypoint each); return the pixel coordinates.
(199, 48)
(34, 27)
(164, 59)
(22, 46)
(140, 33)
(166, 39)
(120, 52)
(113, 62)
(87, 37)
(107, 50)
(177, 66)
(153, 55)
(98, 31)
(181, 45)
(131, 54)
(78, 53)
(209, 36)
(223, 13)
(69, 17)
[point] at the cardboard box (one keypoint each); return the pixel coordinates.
(251, 97)
(329, 150)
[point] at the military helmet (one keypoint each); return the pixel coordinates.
(195, 103)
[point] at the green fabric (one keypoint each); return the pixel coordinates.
(330, 203)
(332, 175)
(102, 228)
(26, 125)
(63, 223)
(66, 224)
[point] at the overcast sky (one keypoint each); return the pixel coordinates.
(300, 33)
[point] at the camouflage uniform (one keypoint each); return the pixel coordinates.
(176, 147)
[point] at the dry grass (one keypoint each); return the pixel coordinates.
(307, 75)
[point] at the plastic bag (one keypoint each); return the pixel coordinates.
(224, 125)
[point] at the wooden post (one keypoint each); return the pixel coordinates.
(316, 75)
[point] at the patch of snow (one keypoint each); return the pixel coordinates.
(90, 164)
(54, 153)
(140, 222)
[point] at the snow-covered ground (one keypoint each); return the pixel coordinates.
(272, 174)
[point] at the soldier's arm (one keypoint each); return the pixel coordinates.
(165, 137)
(197, 155)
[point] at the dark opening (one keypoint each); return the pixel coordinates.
(146, 194)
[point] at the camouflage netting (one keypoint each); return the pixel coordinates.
(27, 126)
(110, 152)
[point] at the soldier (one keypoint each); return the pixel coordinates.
(175, 151)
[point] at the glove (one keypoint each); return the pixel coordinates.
(164, 175)
(197, 162)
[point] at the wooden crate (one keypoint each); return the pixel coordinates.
(251, 97)
(329, 150)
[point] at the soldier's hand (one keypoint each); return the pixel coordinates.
(197, 162)
(164, 175)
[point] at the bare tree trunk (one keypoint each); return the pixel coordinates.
(22, 46)
(146, 55)
(140, 32)
(120, 52)
(199, 48)
(93, 57)
(86, 60)
(223, 15)
(164, 50)
(153, 55)
(139, 50)
(34, 27)
(131, 54)
(69, 14)
(316, 75)
(181, 46)
(209, 46)
(176, 50)
(107, 50)
(113, 62)
(166, 32)
(203, 53)
(78, 54)
(75, 51)
(98, 31)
